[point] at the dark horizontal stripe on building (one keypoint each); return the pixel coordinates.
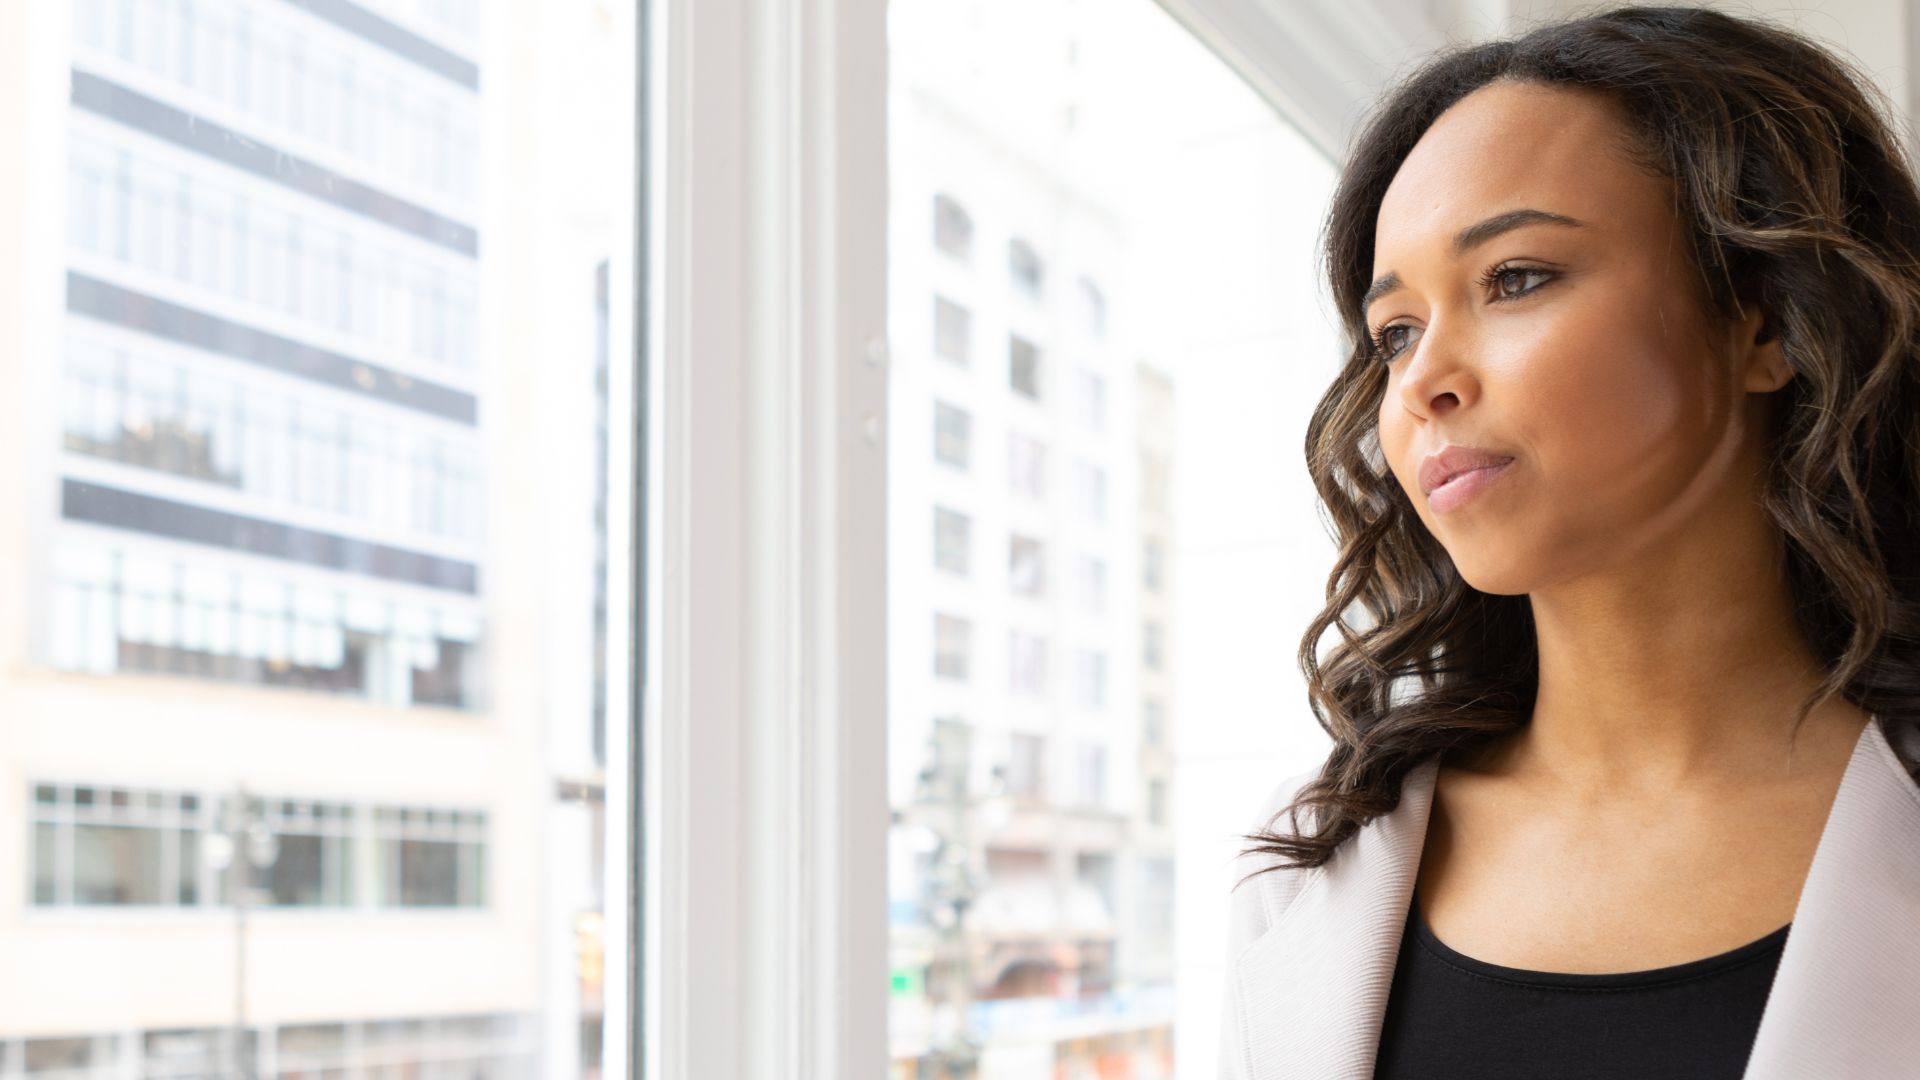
(121, 306)
(396, 39)
(98, 504)
(202, 136)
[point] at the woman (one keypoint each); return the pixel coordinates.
(1625, 469)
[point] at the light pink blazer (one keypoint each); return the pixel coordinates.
(1311, 952)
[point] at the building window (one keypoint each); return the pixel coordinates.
(1157, 802)
(952, 435)
(1093, 585)
(313, 852)
(1026, 566)
(952, 228)
(952, 540)
(1153, 721)
(1026, 766)
(1025, 269)
(1153, 555)
(1026, 663)
(1023, 367)
(122, 610)
(1094, 869)
(1153, 645)
(1026, 465)
(114, 846)
(1093, 308)
(952, 643)
(1092, 400)
(1093, 678)
(106, 846)
(430, 857)
(949, 764)
(1091, 489)
(952, 332)
(1093, 774)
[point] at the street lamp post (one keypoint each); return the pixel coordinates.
(954, 887)
(243, 844)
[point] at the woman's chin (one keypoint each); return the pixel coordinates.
(1493, 575)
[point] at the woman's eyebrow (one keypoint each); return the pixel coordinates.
(1472, 237)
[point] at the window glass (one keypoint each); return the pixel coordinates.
(952, 435)
(1026, 465)
(1027, 663)
(1026, 566)
(952, 332)
(1023, 367)
(952, 540)
(952, 646)
(952, 228)
(1024, 268)
(1165, 340)
(319, 619)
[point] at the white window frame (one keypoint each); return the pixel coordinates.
(762, 950)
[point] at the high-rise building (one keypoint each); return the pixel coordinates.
(1031, 861)
(303, 706)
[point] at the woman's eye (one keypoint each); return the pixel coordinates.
(1499, 278)
(1387, 344)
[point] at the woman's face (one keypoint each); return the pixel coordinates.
(1572, 343)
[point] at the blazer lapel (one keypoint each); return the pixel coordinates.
(1315, 984)
(1846, 1001)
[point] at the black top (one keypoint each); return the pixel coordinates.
(1449, 1015)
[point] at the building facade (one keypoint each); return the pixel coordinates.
(1031, 864)
(302, 704)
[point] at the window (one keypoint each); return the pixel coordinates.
(1093, 678)
(430, 857)
(1026, 465)
(1120, 319)
(952, 435)
(1026, 566)
(1026, 663)
(313, 848)
(1025, 269)
(952, 228)
(1026, 766)
(952, 332)
(952, 540)
(113, 846)
(949, 765)
(1153, 721)
(1091, 489)
(1092, 400)
(1153, 556)
(1023, 367)
(952, 642)
(96, 846)
(1093, 585)
(275, 430)
(1093, 774)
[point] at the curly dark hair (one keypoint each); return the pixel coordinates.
(1797, 195)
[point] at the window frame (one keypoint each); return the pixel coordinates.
(760, 834)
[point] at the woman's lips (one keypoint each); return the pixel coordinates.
(1455, 492)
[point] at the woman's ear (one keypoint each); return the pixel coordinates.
(1763, 363)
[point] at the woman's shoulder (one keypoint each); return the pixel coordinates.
(1264, 885)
